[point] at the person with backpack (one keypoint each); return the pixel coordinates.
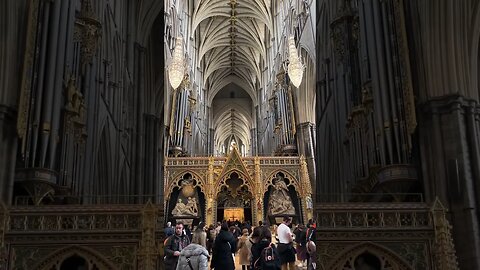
(193, 257)
(264, 252)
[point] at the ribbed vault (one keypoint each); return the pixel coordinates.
(231, 52)
(232, 118)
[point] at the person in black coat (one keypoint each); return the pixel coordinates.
(223, 248)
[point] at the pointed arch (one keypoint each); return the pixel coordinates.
(268, 181)
(92, 257)
(221, 181)
(123, 188)
(234, 164)
(175, 182)
(102, 176)
(384, 254)
(148, 10)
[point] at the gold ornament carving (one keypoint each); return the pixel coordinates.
(211, 173)
(147, 253)
(444, 249)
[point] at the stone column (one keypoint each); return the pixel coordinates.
(449, 139)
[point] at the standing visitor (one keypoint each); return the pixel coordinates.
(174, 245)
(188, 232)
(254, 242)
(223, 249)
(243, 250)
(218, 228)
(301, 240)
(200, 236)
(210, 238)
(193, 257)
(285, 245)
(264, 253)
(311, 248)
(169, 230)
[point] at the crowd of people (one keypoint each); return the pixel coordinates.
(264, 247)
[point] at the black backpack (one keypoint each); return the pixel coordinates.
(268, 260)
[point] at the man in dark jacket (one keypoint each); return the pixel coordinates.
(174, 245)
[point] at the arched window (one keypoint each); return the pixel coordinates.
(367, 261)
(74, 263)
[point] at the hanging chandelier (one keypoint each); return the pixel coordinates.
(295, 66)
(176, 70)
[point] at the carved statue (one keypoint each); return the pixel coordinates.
(80, 118)
(71, 92)
(309, 202)
(189, 209)
(179, 209)
(280, 202)
(188, 125)
(77, 102)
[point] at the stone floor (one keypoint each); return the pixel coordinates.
(239, 267)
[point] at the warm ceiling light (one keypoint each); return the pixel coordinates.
(176, 71)
(295, 66)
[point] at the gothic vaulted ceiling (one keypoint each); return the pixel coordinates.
(232, 51)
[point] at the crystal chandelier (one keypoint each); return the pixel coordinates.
(176, 70)
(295, 66)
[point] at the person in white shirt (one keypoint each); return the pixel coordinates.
(285, 245)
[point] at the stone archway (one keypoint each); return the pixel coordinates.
(186, 198)
(92, 257)
(234, 193)
(281, 196)
(388, 259)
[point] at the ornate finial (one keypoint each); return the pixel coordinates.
(91, 32)
(444, 249)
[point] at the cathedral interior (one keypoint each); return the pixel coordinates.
(117, 116)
